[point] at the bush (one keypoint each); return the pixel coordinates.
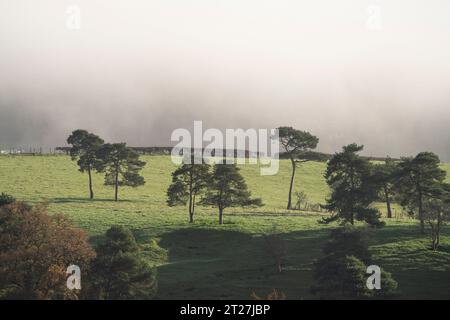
(302, 201)
(348, 240)
(120, 271)
(6, 199)
(341, 272)
(339, 277)
(153, 252)
(371, 216)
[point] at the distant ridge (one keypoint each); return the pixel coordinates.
(310, 155)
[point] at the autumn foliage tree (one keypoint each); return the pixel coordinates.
(35, 251)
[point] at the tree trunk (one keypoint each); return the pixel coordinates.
(422, 224)
(352, 211)
(191, 211)
(438, 231)
(91, 191)
(289, 205)
(191, 214)
(388, 203)
(116, 185)
(191, 207)
(220, 216)
(433, 239)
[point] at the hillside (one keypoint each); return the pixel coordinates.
(206, 260)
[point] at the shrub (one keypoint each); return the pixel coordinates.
(120, 271)
(341, 272)
(302, 201)
(6, 199)
(371, 216)
(348, 240)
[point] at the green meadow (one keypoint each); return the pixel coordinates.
(207, 261)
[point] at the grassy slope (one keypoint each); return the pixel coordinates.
(211, 261)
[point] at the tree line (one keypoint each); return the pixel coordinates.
(356, 183)
(120, 164)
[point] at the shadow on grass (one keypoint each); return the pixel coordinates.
(395, 233)
(222, 264)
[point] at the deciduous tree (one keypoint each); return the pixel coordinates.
(437, 212)
(417, 178)
(35, 251)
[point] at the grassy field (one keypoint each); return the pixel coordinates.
(208, 261)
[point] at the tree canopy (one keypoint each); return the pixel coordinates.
(352, 187)
(417, 178)
(35, 250)
(119, 270)
(188, 182)
(227, 188)
(85, 147)
(121, 166)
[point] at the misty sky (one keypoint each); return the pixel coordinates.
(372, 72)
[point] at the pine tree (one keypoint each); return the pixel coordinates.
(121, 166)
(296, 144)
(119, 271)
(188, 182)
(384, 178)
(85, 146)
(353, 189)
(227, 188)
